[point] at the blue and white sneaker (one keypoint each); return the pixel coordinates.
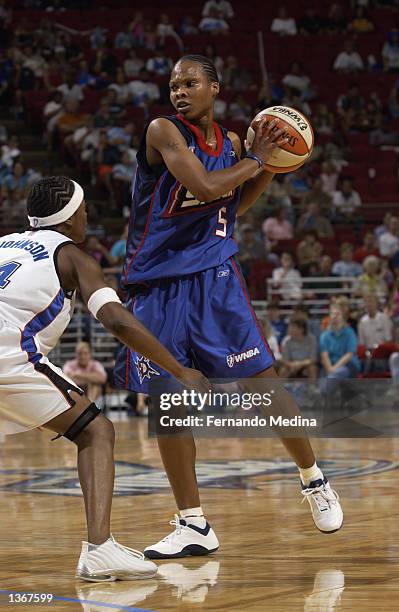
(324, 504)
(187, 540)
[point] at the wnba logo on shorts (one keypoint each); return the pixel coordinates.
(233, 359)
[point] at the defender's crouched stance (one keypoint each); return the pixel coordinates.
(40, 271)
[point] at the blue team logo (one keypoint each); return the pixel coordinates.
(145, 369)
(141, 479)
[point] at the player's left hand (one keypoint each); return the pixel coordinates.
(193, 379)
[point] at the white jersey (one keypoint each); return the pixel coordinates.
(31, 297)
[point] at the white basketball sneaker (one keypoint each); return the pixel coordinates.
(324, 503)
(185, 541)
(111, 561)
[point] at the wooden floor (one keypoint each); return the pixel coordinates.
(271, 557)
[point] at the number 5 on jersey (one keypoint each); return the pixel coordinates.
(223, 222)
(6, 270)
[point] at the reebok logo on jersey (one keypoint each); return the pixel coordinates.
(223, 273)
(145, 369)
(236, 358)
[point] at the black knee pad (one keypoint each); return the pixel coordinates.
(81, 422)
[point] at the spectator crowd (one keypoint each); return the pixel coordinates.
(92, 89)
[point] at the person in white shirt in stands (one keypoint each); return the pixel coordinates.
(53, 109)
(390, 51)
(348, 60)
(388, 242)
(10, 151)
(165, 27)
(223, 8)
(34, 61)
(287, 279)
(283, 25)
(141, 90)
(213, 23)
(120, 87)
(297, 79)
(346, 200)
(70, 89)
(375, 327)
(381, 229)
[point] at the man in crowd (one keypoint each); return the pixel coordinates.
(299, 351)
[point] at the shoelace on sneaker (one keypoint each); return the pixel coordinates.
(177, 531)
(323, 497)
(131, 551)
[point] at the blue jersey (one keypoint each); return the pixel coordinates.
(171, 233)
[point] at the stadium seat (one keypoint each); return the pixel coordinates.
(260, 271)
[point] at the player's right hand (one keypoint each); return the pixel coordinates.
(193, 379)
(267, 138)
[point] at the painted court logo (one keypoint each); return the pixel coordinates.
(236, 358)
(141, 479)
(145, 369)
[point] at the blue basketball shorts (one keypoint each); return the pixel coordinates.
(205, 320)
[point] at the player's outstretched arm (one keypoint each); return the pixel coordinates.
(80, 271)
(164, 137)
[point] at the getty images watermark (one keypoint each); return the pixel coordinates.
(262, 407)
(216, 402)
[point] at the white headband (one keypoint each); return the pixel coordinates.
(61, 215)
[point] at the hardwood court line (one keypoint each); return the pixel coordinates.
(82, 601)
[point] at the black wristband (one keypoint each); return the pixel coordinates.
(255, 157)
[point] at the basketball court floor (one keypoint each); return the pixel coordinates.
(271, 557)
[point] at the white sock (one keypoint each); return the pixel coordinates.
(310, 474)
(195, 516)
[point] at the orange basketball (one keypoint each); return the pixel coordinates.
(297, 129)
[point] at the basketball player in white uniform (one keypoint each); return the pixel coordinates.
(40, 270)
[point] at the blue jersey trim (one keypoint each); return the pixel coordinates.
(37, 324)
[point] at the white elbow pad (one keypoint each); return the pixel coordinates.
(101, 297)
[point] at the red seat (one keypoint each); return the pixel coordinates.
(286, 246)
(135, 114)
(380, 353)
(384, 350)
(259, 272)
(361, 351)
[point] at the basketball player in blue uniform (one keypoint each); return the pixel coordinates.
(185, 285)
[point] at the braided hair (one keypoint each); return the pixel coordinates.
(207, 66)
(49, 195)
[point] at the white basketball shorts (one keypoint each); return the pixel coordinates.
(30, 395)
